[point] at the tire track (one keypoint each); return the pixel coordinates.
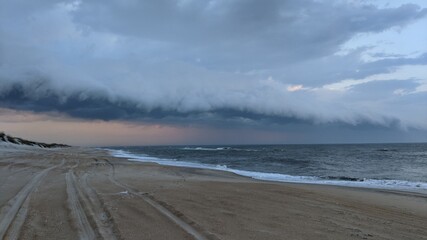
(14, 229)
(101, 216)
(82, 223)
(13, 214)
(112, 175)
(158, 206)
(88, 209)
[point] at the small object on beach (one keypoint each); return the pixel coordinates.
(124, 192)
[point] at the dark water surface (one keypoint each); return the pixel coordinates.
(376, 165)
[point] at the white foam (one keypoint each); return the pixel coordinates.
(217, 149)
(278, 177)
(205, 149)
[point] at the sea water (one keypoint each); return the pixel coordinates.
(387, 166)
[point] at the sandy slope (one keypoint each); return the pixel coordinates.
(81, 193)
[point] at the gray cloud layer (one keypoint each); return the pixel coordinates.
(215, 62)
(244, 33)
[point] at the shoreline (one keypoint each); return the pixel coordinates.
(83, 192)
(381, 184)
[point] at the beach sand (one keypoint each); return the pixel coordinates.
(82, 193)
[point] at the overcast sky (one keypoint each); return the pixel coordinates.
(214, 71)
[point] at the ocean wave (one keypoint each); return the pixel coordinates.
(204, 149)
(217, 149)
(344, 178)
(278, 177)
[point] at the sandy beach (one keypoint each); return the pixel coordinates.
(83, 193)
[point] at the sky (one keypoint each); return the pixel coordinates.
(154, 72)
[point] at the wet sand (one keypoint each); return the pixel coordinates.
(80, 193)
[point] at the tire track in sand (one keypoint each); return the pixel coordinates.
(15, 228)
(100, 215)
(87, 209)
(82, 223)
(13, 214)
(158, 206)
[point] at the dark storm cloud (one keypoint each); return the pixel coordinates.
(97, 105)
(36, 96)
(220, 62)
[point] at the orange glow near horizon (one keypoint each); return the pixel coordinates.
(61, 129)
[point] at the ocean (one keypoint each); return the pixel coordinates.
(386, 166)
